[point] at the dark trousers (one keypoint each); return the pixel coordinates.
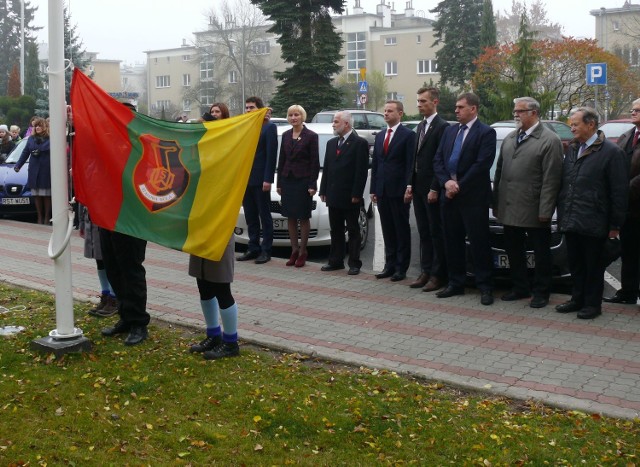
(396, 231)
(587, 268)
(515, 246)
(459, 223)
(123, 256)
(630, 255)
(429, 222)
(337, 219)
(257, 212)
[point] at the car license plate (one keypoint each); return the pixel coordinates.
(15, 200)
(280, 224)
(501, 261)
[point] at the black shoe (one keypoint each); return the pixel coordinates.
(589, 312)
(486, 298)
(209, 343)
(568, 307)
(332, 267)
(620, 297)
(136, 335)
(354, 271)
(248, 255)
(226, 349)
(538, 302)
(511, 296)
(450, 291)
(263, 258)
(398, 276)
(119, 328)
(385, 273)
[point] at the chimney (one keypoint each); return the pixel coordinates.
(409, 12)
(357, 9)
(383, 10)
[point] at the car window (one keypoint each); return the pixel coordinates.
(15, 154)
(323, 118)
(563, 130)
(376, 121)
(359, 121)
(615, 129)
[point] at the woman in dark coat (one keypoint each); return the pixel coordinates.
(37, 151)
(214, 284)
(298, 169)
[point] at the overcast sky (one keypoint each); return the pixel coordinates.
(124, 29)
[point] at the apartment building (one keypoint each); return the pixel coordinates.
(618, 31)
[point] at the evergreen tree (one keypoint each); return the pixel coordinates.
(457, 30)
(488, 33)
(311, 47)
(73, 51)
(33, 80)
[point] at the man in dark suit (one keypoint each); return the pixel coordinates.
(462, 164)
(346, 163)
(425, 191)
(257, 197)
(391, 173)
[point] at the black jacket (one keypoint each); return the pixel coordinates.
(594, 193)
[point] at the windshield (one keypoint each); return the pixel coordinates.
(613, 130)
(17, 152)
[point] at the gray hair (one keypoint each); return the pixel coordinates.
(589, 115)
(532, 104)
(345, 116)
(637, 101)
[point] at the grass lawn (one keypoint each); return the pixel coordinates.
(157, 404)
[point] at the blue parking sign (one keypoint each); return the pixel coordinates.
(596, 73)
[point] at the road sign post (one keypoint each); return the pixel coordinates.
(596, 76)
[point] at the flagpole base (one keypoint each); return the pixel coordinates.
(60, 347)
(77, 332)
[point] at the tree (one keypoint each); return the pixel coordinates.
(13, 86)
(33, 80)
(457, 30)
(311, 47)
(488, 33)
(508, 23)
(73, 51)
(347, 84)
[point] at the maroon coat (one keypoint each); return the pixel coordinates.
(299, 158)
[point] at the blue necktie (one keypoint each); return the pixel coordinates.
(455, 153)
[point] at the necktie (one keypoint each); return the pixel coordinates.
(455, 153)
(340, 141)
(583, 146)
(635, 138)
(423, 130)
(521, 136)
(385, 147)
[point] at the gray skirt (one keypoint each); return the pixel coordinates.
(215, 271)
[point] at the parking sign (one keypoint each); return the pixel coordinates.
(596, 73)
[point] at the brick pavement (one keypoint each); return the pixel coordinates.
(508, 348)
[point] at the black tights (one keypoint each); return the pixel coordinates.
(219, 290)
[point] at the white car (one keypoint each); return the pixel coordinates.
(320, 234)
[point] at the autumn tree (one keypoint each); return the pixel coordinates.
(14, 85)
(508, 22)
(310, 46)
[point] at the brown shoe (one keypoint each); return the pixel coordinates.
(420, 281)
(433, 284)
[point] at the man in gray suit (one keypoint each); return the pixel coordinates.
(525, 188)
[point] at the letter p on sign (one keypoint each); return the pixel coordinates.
(596, 73)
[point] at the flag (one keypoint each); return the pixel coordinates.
(176, 184)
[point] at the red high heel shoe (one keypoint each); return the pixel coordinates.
(293, 258)
(301, 260)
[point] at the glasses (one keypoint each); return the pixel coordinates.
(519, 111)
(634, 111)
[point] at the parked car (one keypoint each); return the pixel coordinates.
(366, 123)
(15, 194)
(280, 121)
(320, 234)
(613, 129)
(562, 129)
(500, 259)
(411, 124)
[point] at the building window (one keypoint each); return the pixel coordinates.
(207, 96)
(163, 81)
(356, 51)
(206, 70)
(186, 105)
(233, 76)
(261, 48)
(392, 96)
(168, 59)
(163, 104)
(391, 40)
(427, 67)
(390, 68)
(615, 25)
(186, 58)
(418, 39)
(186, 80)
(259, 76)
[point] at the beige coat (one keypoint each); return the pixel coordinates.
(528, 177)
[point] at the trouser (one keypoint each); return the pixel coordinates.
(587, 268)
(630, 256)
(396, 231)
(337, 219)
(429, 222)
(123, 256)
(257, 213)
(515, 246)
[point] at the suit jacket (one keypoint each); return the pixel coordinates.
(264, 161)
(344, 174)
(474, 166)
(300, 158)
(391, 173)
(633, 158)
(424, 178)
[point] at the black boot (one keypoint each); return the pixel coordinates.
(209, 343)
(226, 349)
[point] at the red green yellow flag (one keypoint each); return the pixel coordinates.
(176, 184)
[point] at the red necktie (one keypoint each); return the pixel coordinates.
(635, 139)
(385, 147)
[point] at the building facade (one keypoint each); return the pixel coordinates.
(618, 31)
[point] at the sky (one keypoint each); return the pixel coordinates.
(124, 29)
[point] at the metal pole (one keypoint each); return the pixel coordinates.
(22, 47)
